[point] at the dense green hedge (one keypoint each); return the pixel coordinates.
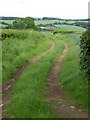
(14, 33)
(64, 32)
(85, 53)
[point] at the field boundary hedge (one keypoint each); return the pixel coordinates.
(85, 53)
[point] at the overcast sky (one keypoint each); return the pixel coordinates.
(72, 9)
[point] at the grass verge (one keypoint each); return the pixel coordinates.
(72, 79)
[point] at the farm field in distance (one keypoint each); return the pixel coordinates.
(41, 75)
(48, 22)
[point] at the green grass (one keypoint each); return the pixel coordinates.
(28, 100)
(70, 28)
(72, 79)
(16, 52)
(30, 90)
(44, 22)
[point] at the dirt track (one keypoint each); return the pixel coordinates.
(60, 102)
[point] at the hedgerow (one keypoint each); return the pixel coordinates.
(85, 53)
(14, 33)
(64, 32)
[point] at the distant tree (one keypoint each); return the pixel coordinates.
(24, 23)
(29, 22)
(18, 23)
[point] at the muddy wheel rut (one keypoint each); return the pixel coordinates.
(59, 100)
(8, 87)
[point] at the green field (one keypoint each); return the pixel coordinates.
(37, 22)
(7, 21)
(45, 22)
(30, 90)
(70, 27)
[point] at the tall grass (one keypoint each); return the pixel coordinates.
(72, 79)
(17, 51)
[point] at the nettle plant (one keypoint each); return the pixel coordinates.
(85, 53)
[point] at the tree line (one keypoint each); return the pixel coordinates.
(7, 18)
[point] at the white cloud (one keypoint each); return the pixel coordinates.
(40, 8)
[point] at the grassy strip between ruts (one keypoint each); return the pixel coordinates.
(28, 96)
(16, 52)
(72, 79)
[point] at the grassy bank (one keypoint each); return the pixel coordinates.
(72, 79)
(17, 51)
(28, 100)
